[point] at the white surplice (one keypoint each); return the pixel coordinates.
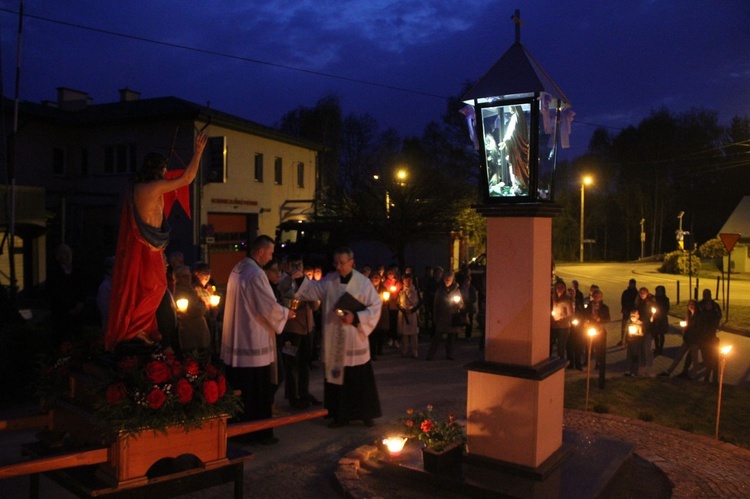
(344, 345)
(252, 318)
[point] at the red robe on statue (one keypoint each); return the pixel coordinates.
(139, 279)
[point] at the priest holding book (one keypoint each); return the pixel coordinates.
(350, 310)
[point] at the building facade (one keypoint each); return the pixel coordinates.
(82, 155)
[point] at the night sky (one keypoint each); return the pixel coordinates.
(615, 60)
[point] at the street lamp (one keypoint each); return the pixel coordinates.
(401, 175)
(586, 181)
(643, 238)
(591, 333)
(724, 351)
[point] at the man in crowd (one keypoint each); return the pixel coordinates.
(627, 304)
(350, 310)
(252, 319)
(596, 315)
(708, 317)
(65, 294)
(298, 342)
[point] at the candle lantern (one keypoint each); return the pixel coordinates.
(395, 445)
(182, 304)
(517, 116)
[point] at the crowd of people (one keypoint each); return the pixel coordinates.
(644, 324)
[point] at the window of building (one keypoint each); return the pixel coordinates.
(58, 162)
(120, 158)
(258, 167)
(277, 172)
(300, 174)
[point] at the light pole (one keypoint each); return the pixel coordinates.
(586, 180)
(591, 333)
(387, 199)
(643, 238)
(401, 176)
(724, 351)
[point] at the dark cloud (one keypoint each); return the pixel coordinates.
(616, 61)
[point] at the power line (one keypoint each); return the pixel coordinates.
(225, 55)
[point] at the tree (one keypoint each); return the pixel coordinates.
(321, 124)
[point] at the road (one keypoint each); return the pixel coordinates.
(613, 278)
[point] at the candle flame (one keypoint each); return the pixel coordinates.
(182, 304)
(395, 445)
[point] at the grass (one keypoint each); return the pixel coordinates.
(739, 316)
(674, 403)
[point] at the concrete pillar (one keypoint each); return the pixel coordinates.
(515, 396)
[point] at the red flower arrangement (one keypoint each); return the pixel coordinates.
(427, 427)
(158, 391)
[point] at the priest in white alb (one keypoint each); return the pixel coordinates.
(350, 310)
(252, 319)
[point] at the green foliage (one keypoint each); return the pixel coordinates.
(713, 248)
(430, 430)
(474, 227)
(679, 262)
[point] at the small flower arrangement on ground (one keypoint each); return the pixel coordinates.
(434, 433)
(157, 391)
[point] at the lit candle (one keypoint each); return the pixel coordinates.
(214, 300)
(395, 445)
(182, 304)
(574, 322)
(456, 298)
(592, 332)
(632, 329)
(726, 349)
(653, 310)
(386, 295)
(683, 323)
(393, 289)
(553, 313)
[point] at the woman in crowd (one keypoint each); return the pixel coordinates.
(408, 317)
(448, 314)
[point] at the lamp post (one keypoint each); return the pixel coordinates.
(591, 333)
(586, 180)
(643, 238)
(401, 176)
(387, 199)
(724, 351)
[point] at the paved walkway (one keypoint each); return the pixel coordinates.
(697, 466)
